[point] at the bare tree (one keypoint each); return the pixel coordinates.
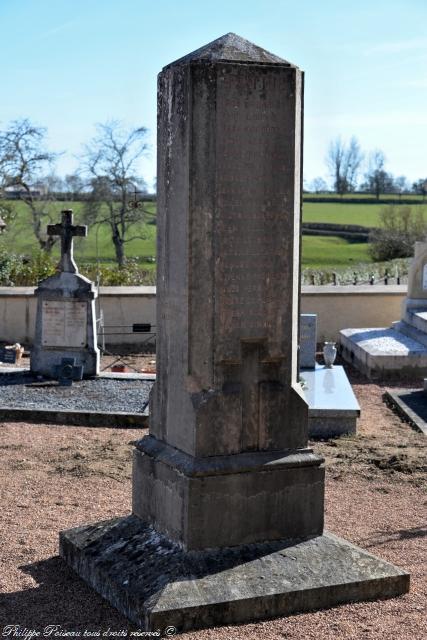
(378, 180)
(344, 162)
(74, 185)
(401, 185)
(318, 185)
(24, 159)
(110, 161)
(420, 187)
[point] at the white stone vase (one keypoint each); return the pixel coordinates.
(329, 354)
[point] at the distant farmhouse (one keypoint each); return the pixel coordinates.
(17, 192)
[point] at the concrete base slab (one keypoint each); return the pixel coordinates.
(383, 353)
(333, 408)
(411, 405)
(153, 582)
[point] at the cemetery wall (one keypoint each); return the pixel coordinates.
(337, 308)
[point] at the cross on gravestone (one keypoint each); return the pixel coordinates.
(247, 377)
(67, 230)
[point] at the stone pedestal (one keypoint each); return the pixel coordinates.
(225, 484)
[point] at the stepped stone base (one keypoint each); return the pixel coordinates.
(384, 352)
(222, 501)
(156, 584)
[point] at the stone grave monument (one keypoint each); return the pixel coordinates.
(402, 348)
(65, 336)
(308, 341)
(228, 499)
(333, 409)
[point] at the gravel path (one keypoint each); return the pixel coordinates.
(53, 478)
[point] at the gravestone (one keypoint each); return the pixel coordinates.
(308, 338)
(7, 356)
(402, 348)
(65, 321)
(227, 522)
(332, 406)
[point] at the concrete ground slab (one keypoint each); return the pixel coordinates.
(153, 582)
(411, 405)
(383, 352)
(333, 408)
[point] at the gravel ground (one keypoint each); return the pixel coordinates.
(53, 478)
(100, 394)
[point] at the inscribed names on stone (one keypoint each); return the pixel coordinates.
(252, 238)
(64, 323)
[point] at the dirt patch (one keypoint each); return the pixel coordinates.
(54, 477)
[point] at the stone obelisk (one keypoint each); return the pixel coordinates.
(227, 520)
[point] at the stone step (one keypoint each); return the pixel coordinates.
(410, 331)
(417, 319)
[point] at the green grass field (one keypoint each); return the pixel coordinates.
(366, 196)
(331, 252)
(318, 252)
(366, 215)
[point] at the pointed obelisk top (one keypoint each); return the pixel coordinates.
(231, 48)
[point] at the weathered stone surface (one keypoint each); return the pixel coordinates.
(228, 279)
(231, 48)
(308, 340)
(198, 502)
(228, 257)
(156, 584)
(227, 460)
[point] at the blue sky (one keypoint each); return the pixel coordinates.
(67, 64)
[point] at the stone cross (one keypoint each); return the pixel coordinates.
(67, 230)
(247, 376)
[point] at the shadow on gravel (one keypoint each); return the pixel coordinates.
(383, 537)
(60, 598)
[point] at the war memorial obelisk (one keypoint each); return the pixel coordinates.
(228, 499)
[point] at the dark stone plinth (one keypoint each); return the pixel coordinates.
(410, 405)
(156, 584)
(228, 500)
